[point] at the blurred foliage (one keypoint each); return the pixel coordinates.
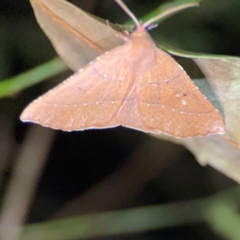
(80, 160)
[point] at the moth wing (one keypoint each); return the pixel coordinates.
(166, 100)
(170, 102)
(88, 99)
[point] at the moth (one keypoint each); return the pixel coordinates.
(135, 85)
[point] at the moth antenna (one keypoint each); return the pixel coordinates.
(169, 12)
(127, 11)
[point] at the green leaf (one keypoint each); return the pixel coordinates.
(38, 74)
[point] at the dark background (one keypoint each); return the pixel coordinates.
(80, 160)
